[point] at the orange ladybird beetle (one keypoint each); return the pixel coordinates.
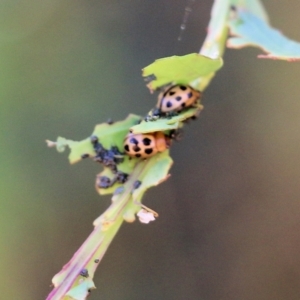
(146, 145)
(176, 98)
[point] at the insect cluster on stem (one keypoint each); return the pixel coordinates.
(173, 100)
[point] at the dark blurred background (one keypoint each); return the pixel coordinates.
(229, 225)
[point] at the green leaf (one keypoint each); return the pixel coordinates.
(217, 32)
(77, 149)
(180, 69)
(155, 172)
(113, 135)
(108, 135)
(165, 124)
(250, 30)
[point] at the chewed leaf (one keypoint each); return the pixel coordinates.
(180, 69)
(164, 124)
(249, 30)
(77, 149)
(108, 134)
(113, 135)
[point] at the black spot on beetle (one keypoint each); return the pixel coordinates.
(183, 104)
(148, 151)
(136, 148)
(178, 98)
(169, 104)
(183, 88)
(133, 141)
(171, 93)
(146, 141)
(126, 147)
(190, 95)
(138, 155)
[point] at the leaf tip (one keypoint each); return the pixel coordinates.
(50, 144)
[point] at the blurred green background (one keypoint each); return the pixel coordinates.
(229, 215)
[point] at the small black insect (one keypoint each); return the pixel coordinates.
(103, 182)
(150, 78)
(108, 157)
(94, 139)
(109, 121)
(121, 177)
(84, 273)
(137, 184)
(176, 134)
(119, 190)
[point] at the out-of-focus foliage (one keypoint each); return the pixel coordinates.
(249, 30)
(254, 6)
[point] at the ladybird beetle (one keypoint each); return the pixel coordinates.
(146, 145)
(176, 98)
